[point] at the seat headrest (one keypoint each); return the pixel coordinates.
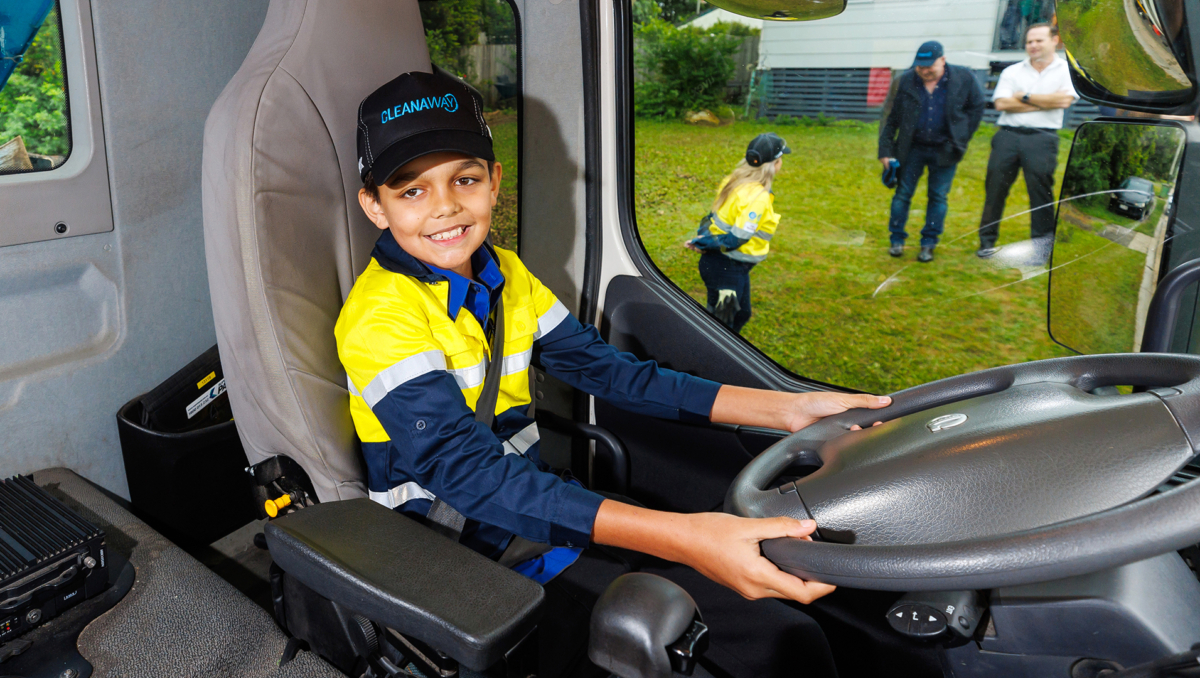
(284, 235)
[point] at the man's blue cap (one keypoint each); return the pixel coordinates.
(928, 53)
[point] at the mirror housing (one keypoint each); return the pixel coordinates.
(783, 10)
(1115, 219)
(1130, 54)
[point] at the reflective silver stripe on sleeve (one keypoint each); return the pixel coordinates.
(522, 440)
(401, 495)
(514, 364)
(550, 319)
(743, 233)
(470, 377)
(406, 370)
(350, 387)
(764, 235)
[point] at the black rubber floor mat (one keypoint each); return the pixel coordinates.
(179, 619)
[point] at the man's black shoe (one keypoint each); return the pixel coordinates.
(985, 252)
(896, 250)
(926, 255)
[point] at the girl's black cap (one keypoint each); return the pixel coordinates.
(417, 114)
(765, 148)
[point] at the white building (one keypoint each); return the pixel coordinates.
(886, 34)
(843, 66)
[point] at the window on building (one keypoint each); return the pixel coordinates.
(1017, 15)
(476, 40)
(35, 133)
(828, 301)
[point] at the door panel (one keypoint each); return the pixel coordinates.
(700, 461)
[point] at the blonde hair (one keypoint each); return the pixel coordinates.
(744, 174)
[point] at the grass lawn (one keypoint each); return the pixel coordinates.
(1104, 43)
(829, 303)
(504, 143)
(1080, 317)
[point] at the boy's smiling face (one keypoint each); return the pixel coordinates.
(438, 208)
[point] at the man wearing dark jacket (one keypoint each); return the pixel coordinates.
(935, 111)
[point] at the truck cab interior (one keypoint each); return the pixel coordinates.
(179, 227)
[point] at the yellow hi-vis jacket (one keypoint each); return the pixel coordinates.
(749, 216)
(413, 341)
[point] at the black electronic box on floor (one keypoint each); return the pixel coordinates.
(50, 558)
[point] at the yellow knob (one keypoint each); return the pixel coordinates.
(272, 506)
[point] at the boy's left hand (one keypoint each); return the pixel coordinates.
(807, 408)
(787, 411)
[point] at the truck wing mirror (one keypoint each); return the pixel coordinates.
(1115, 218)
(1135, 55)
(783, 10)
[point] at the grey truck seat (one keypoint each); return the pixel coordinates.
(283, 233)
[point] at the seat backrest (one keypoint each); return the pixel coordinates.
(283, 233)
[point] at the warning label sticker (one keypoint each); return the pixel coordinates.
(208, 396)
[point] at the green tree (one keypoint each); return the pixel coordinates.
(33, 104)
(451, 26)
(680, 69)
(1104, 155)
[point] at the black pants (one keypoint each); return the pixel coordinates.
(719, 272)
(1036, 154)
(750, 639)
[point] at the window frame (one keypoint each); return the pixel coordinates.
(72, 199)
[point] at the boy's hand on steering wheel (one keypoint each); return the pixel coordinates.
(807, 408)
(722, 547)
(726, 549)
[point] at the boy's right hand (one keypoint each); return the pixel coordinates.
(722, 547)
(726, 549)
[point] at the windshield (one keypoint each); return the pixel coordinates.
(903, 231)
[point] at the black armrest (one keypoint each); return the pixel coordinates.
(399, 573)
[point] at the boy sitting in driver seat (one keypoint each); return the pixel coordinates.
(415, 336)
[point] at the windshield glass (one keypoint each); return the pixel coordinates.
(900, 230)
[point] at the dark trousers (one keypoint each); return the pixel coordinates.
(1036, 154)
(748, 639)
(719, 272)
(940, 178)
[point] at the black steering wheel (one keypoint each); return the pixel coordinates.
(1008, 476)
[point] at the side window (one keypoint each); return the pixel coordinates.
(840, 265)
(476, 40)
(34, 132)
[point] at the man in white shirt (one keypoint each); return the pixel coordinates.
(1032, 96)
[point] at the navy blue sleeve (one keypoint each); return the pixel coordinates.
(716, 243)
(462, 462)
(575, 353)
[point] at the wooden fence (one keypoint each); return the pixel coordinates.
(844, 93)
(494, 71)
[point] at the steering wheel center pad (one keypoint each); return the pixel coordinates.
(1040, 480)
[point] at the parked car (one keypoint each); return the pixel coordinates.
(1134, 198)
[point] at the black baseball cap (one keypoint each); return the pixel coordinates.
(928, 53)
(765, 148)
(417, 114)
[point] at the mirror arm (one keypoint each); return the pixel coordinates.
(1164, 307)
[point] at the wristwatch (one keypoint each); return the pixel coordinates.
(1025, 98)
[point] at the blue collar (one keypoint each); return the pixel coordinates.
(477, 297)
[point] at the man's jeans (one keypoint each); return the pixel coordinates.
(940, 179)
